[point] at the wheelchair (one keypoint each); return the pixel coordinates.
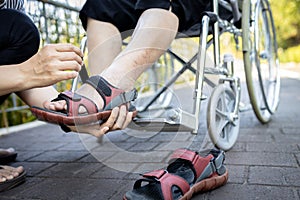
(248, 22)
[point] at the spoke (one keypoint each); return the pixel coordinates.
(226, 133)
(222, 124)
(221, 113)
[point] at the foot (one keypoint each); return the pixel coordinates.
(85, 90)
(9, 173)
(102, 94)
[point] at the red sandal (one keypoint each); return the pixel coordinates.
(112, 97)
(187, 174)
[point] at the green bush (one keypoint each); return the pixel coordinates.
(14, 117)
(291, 54)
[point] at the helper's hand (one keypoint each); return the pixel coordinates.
(53, 63)
(119, 119)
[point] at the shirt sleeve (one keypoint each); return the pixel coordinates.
(13, 4)
(2, 4)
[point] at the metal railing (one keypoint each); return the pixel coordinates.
(58, 22)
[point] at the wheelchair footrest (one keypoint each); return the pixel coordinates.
(175, 120)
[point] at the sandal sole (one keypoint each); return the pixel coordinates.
(56, 118)
(206, 185)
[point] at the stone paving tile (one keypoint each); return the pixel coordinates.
(145, 146)
(170, 146)
(264, 158)
(49, 147)
(96, 156)
(143, 168)
(16, 193)
(117, 136)
(25, 155)
(107, 146)
(132, 157)
(272, 147)
(34, 168)
(291, 139)
(78, 146)
(59, 156)
(280, 176)
(291, 130)
(239, 146)
(237, 174)
(75, 189)
(248, 136)
(169, 136)
(71, 170)
(112, 172)
(247, 192)
(298, 158)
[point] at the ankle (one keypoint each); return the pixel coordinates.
(119, 82)
(90, 92)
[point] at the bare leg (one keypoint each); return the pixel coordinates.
(151, 38)
(44, 94)
(104, 44)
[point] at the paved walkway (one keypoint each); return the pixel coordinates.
(264, 164)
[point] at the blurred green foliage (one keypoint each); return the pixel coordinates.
(287, 21)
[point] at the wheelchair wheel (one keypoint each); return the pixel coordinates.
(149, 84)
(222, 122)
(260, 58)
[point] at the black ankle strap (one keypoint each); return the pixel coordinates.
(98, 82)
(104, 89)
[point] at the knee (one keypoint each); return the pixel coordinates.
(22, 36)
(161, 17)
(97, 26)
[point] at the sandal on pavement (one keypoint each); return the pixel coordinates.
(187, 174)
(112, 97)
(9, 184)
(7, 155)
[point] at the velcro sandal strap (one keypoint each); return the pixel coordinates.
(167, 181)
(198, 163)
(75, 101)
(216, 165)
(122, 99)
(111, 95)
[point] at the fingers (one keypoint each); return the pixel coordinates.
(68, 48)
(71, 58)
(112, 118)
(70, 55)
(127, 120)
(65, 75)
(119, 119)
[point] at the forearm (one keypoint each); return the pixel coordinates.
(38, 96)
(20, 77)
(12, 79)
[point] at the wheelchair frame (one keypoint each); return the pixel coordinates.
(265, 89)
